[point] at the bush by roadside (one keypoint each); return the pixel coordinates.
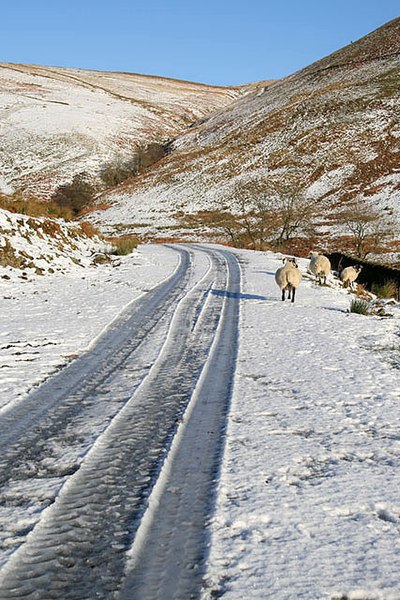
(123, 245)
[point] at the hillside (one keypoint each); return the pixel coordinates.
(40, 246)
(57, 122)
(331, 131)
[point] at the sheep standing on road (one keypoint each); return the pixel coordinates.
(320, 266)
(288, 278)
(350, 274)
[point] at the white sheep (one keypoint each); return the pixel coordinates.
(320, 266)
(288, 278)
(350, 274)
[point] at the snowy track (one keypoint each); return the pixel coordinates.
(154, 452)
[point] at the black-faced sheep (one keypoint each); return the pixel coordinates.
(320, 266)
(288, 278)
(350, 274)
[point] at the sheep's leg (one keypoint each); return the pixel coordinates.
(283, 294)
(293, 293)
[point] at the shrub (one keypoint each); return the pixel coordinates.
(118, 172)
(75, 195)
(149, 155)
(60, 212)
(361, 307)
(124, 245)
(387, 289)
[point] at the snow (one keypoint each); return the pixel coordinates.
(328, 181)
(46, 321)
(57, 122)
(307, 503)
(42, 244)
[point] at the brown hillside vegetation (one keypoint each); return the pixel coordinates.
(331, 130)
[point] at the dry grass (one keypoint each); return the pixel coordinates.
(94, 208)
(387, 289)
(124, 245)
(362, 293)
(33, 207)
(89, 229)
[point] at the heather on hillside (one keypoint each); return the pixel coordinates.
(328, 133)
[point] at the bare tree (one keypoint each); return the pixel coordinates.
(369, 229)
(219, 220)
(295, 214)
(256, 216)
(273, 211)
(265, 213)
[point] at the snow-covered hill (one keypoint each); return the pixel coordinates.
(31, 246)
(330, 132)
(333, 127)
(56, 122)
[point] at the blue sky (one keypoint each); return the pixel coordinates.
(222, 42)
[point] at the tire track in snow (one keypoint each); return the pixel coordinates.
(44, 438)
(77, 550)
(113, 347)
(167, 557)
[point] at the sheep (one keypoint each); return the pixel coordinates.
(320, 266)
(288, 278)
(350, 274)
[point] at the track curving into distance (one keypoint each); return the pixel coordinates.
(130, 521)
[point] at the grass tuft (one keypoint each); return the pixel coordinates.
(360, 307)
(124, 245)
(89, 229)
(388, 289)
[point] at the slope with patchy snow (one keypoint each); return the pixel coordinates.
(40, 245)
(57, 122)
(332, 129)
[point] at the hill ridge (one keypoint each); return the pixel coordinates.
(101, 116)
(332, 127)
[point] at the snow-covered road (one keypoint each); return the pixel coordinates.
(76, 549)
(209, 440)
